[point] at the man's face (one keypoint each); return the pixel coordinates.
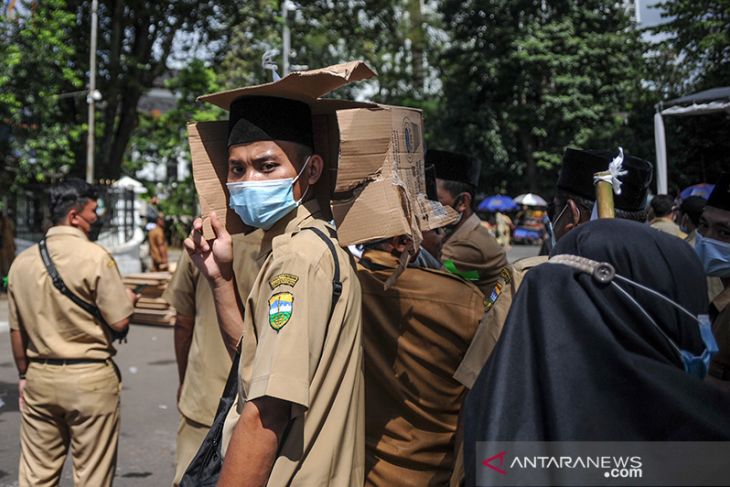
(715, 224)
(446, 198)
(268, 161)
(84, 218)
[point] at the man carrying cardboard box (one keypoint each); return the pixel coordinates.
(418, 320)
(300, 374)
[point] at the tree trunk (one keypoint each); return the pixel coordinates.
(418, 46)
(528, 149)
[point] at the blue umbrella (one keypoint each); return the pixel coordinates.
(703, 190)
(497, 203)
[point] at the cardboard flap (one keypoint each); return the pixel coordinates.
(209, 151)
(306, 86)
(364, 141)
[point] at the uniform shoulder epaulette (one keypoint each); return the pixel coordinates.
(524, 265)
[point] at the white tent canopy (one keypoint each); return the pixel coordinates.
(130, 183)
(702, 103)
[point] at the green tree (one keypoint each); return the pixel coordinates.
(694, 55)
(37, 85)
(523, 79)
(698, 34)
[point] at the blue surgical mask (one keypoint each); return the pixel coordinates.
(714, 255)
(261, 204)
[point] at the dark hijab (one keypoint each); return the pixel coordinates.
(576, 361)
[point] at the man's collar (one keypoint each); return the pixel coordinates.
(664, 219)
(66, 230)
(291, 222)
(466, 226)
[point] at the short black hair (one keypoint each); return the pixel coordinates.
(68, 195)
(692, 207)
(457, 187)
(662, 205)
(587, 205)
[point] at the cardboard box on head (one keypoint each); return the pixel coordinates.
(373, 154)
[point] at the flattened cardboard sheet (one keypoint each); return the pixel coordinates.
(306, 86)
(209, 151)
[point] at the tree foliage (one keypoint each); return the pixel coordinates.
(523, 79)
(39, 133)
(512, 82)
(698, 34)
(694, 55)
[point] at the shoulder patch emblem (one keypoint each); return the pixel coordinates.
(281, 306)
(111, 263)
(283, 280)
(505, 277)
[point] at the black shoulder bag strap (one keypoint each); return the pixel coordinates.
(61, 286)
(206, 466)
(336, 283)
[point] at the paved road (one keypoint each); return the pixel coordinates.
(517, 252)
(149, 416)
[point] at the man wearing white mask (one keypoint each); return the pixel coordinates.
(713, 248)
(301, 392)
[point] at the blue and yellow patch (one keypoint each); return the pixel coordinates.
(281, 306)
(505, 277)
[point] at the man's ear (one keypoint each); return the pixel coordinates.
(314, 169)
(72, 217)
(573, 215)
(465, 203)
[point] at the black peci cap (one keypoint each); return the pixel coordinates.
(720, 197)
(579, 166)
(454, 167)
(256, 118)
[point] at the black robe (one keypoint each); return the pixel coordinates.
(577, 362)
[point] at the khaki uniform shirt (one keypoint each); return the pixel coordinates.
(56, 327)
(720, 310)
(156, 239)
(415, 337)
(208, 360)
(291, 352)
(475, 254)
(497, 306)
(667, 226)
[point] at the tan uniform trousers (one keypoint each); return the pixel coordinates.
(69, 404)
(190, 435)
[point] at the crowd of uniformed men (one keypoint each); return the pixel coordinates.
(346, 376)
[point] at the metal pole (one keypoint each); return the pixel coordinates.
(286, 38)
(90, 96)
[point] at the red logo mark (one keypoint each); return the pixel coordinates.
(500, 456)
